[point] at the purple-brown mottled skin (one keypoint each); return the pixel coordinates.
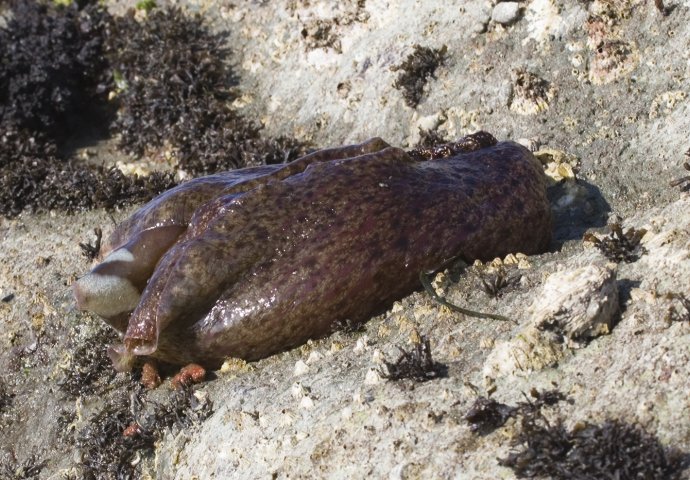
(251, 262)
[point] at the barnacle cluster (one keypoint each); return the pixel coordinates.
(531, 93)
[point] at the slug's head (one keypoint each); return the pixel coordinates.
(113, 288)
(108, 291)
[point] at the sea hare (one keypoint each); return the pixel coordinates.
(251, 262)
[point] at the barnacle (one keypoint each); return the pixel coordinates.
(531, 93)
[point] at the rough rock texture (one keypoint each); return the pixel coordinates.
(574, 306)
(603, 81)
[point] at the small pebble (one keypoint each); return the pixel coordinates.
(301, 368)
(372, 377)
(505, 13)
(314, 357)
(306, 403)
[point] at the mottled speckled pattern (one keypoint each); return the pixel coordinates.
(272, 256)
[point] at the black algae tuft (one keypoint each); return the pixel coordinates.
(173, 94)
(416, 70)
(416, 364)
(613, 449)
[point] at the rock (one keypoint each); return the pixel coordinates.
(505, 13)
(579, 304)
(574, 307)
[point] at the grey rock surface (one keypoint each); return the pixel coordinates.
(604, 82)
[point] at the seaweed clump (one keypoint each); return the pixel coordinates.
(683, 182)
(53, 71)
(126, 428)
(620, 246)
(90, 367)
(680, 311)
(430, 138)
(61, 62)
(106, 452)
(486, 414)
(416, 364)
(613, 449)
(53, 66)
(5, 397)
(12, 469)
(496, 281)
(416, 70)
(175, 96)
(34, 177)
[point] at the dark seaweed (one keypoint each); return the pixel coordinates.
(176, 93)
(12, 469)
(613, 449)
(162, 85)
(126, 427)
(683, 182)
(417, 364)
(497, 282)
(106, 452)
(468, 143)
(53, 66)
(33, 177)
(5, 397)
(660, 6)
(416, 70)
(619, 246)
(680, 311)
(319, 33)
(90, 370)
(430, 138)
(486, 415)
(92, 251)
(53, 72)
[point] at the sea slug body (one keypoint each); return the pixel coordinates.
(254, 261)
